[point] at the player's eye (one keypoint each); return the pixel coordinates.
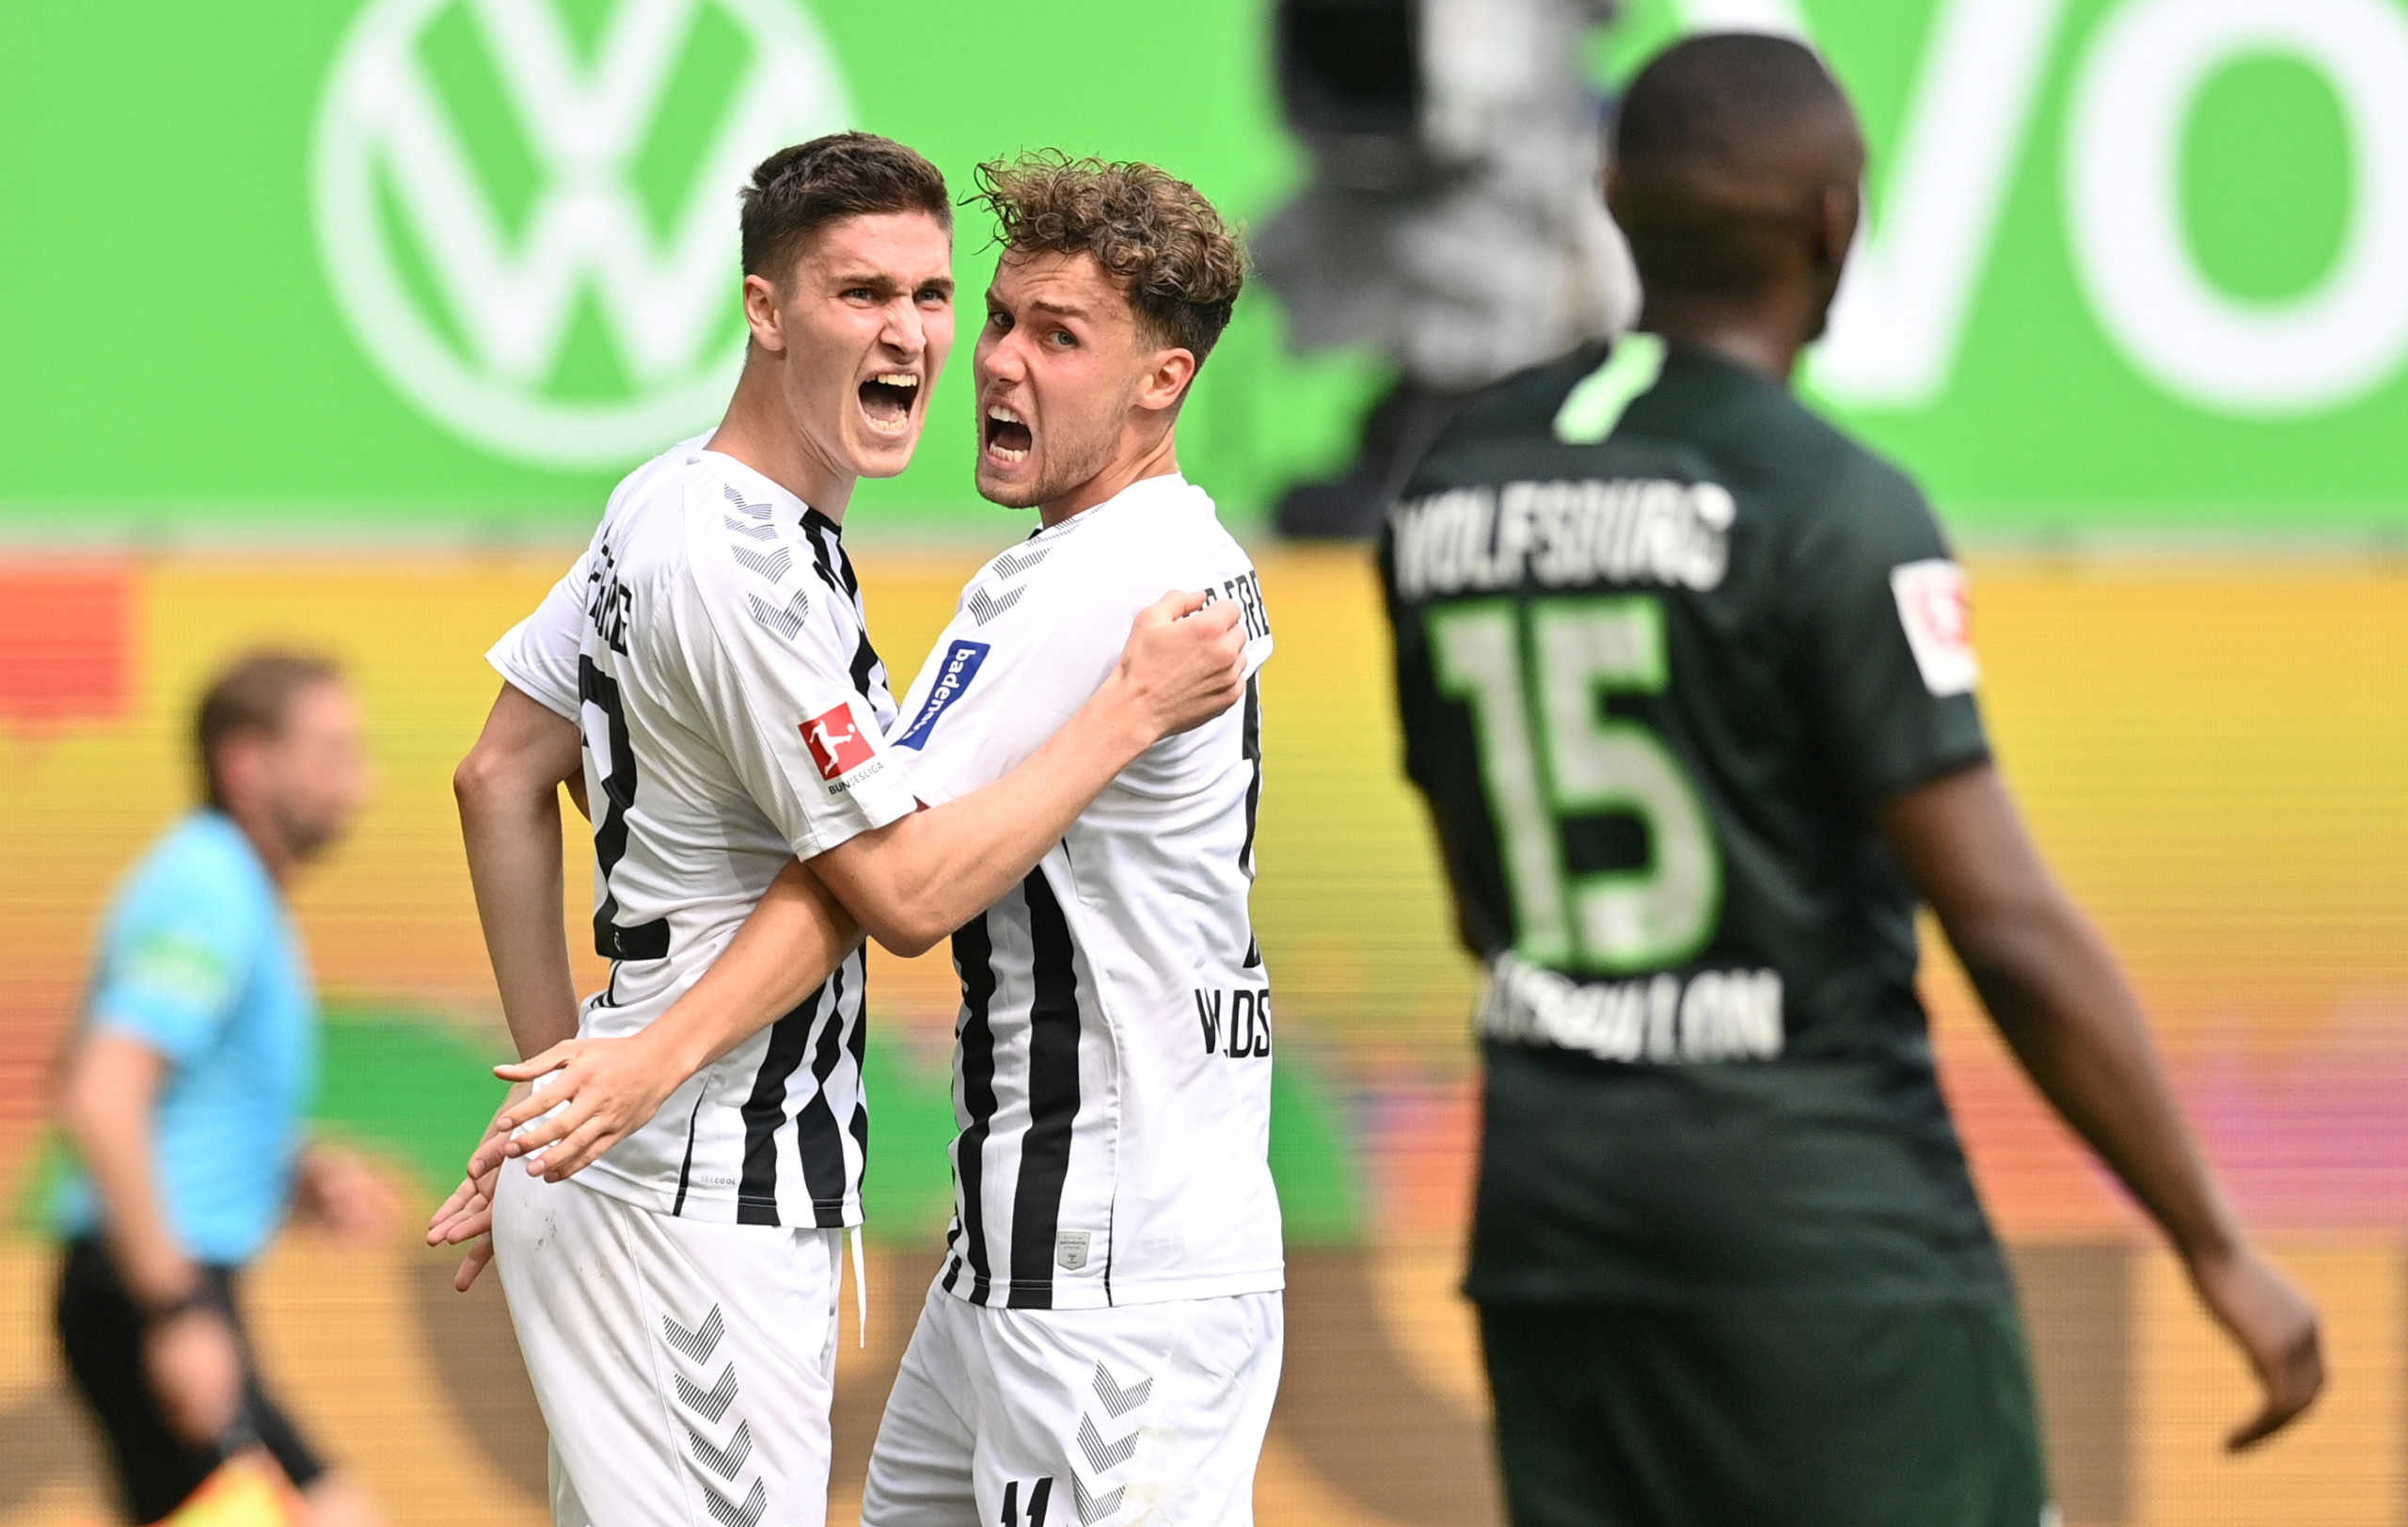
(935, 296)
(860, 294)
(1062, 338)
(998, 320)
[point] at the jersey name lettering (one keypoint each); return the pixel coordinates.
(608, 602)
(1564, 534)
(1713, 1016)
(1247, 1032)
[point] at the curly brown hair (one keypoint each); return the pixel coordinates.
(1175, 258)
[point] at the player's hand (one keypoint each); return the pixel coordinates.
(196, 1371)
(1184, 662)
(2275, 1328)
(341, 1191)
(467, 1215)
(607, 1088)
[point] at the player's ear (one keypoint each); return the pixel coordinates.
(1834, 231)
(1167, 381)
(761, 314)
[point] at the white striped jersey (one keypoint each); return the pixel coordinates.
(1111, 1082)
(711, 646)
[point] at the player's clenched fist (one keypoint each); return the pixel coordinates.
(1184, 662)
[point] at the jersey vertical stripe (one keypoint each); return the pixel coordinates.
(765, 1112)
(1053, 1097)
(974, 957)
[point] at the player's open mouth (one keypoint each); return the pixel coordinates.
(887, 399)
(1009, 436)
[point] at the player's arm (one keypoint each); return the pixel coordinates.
(910, 884)
(913, 881)
(509, 793)
(2063, 1005)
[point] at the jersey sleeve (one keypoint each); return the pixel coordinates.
(177, 964)
(538, 655)
(987, 699)
(1880, 612)
(772, 664)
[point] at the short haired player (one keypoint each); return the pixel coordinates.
(675, 1304)
(1684, 677)
(1103, 1342)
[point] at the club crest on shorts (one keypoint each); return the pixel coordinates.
(837, 743)
(1070, 1249)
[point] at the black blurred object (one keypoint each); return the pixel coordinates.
(1350, 77)
(1451, 221)
(1401, 424)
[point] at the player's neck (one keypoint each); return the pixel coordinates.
(1743, 334)
(760, 432)
(259, 830)
(1160, 459)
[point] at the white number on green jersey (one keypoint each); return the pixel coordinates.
(1534, 678)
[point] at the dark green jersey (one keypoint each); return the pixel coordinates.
(1658, 665)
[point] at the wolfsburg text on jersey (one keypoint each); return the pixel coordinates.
(1564, 534)
(1710, 1015)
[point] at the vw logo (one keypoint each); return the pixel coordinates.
(492, 188)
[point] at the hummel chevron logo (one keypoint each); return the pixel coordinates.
(757, 511)
(986, 607)
(725, 1461)
(786, 620)
(1105, 1456)
(747, 1515)
(1094, 1507)
(774, 565)
(1118, 1401)
(758, 532)
(700, 1343)
(712, 1404)
(1013, 564)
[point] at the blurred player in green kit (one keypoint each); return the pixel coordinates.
(1686, 680)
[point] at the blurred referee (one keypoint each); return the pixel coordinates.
(1686, 680)
(182, 1095)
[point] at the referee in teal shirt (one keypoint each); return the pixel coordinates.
(183, 1094)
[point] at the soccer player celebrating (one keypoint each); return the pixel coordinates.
(1106, 1330)
(675, 1304)
(183, 1094)
(1104, 1339)
(1685, 677)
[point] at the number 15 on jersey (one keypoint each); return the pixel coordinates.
(1535, 675)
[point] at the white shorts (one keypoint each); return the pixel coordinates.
(684, 1369)
(1078, 1418)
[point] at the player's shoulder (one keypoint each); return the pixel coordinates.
(203, 870)
(1514, 409)
(1851, 498)
(746, 545)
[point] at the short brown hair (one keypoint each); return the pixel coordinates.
(252, 695)
(799, 191)
(1176, 258)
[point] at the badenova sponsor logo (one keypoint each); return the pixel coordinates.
(466, 213)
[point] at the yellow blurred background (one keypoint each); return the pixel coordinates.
(2215, 753)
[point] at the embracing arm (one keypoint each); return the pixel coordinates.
(508, 789)
(2063, 1006)
(909, 883)
(913, 881)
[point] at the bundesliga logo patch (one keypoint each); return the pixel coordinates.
(837, 743)
(1937, 613)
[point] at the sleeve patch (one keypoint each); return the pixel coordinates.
(837, 743)
(181, 968)
(1935, 608)
(961, 664)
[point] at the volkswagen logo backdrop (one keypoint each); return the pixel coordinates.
(472, 216)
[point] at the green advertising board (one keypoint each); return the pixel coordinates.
(376, 268)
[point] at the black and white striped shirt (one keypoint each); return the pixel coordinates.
(712, 647)
(1113, 1070)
